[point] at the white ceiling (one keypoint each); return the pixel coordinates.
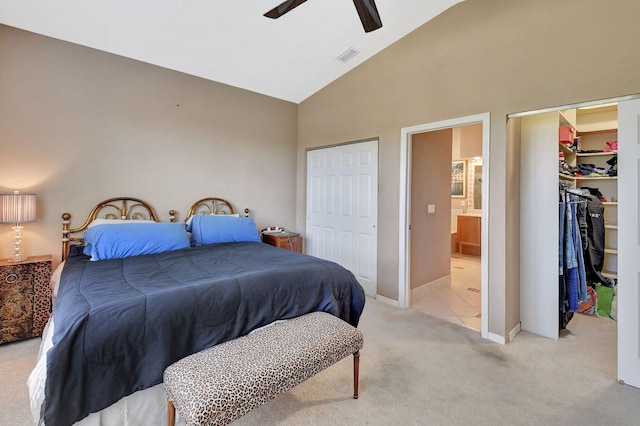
(228, 41)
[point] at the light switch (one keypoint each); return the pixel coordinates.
(431, 208)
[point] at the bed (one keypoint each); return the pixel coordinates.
(133, 295)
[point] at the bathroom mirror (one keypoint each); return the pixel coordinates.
(476, 183)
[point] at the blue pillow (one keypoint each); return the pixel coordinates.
(211, 229)
(103, 242)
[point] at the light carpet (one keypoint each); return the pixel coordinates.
(420, 370)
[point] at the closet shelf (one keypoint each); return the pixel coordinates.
(611, 251)
(610, 203)
(595, 130)
(565, 149)
(596, 154)
(609, 274)
(611, 226)
(575, 178)
(596, 177)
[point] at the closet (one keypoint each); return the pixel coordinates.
(557, 147)
(588, 205)
(534, 141)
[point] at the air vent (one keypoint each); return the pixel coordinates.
(347, 54)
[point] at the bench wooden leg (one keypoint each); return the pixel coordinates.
(171, 413)
(356, 368)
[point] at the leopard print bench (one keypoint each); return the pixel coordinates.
(221, 384)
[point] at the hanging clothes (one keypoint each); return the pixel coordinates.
(595, 240)
(573, 226)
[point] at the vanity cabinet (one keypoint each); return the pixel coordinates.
(469, 234)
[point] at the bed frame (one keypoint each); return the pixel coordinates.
(128, 208)
(211, 205)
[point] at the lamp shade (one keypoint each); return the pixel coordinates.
(17, 208)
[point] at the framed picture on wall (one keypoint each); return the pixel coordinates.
(458, 174)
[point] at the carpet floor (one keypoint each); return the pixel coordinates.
(416, 369)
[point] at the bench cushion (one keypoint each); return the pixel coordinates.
(222, 383)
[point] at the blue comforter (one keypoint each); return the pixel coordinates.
(120, 323)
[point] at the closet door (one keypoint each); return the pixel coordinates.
(539, 298)
(629, 246)
(342, 208)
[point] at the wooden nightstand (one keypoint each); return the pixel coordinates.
(25, 297)
(285, 240)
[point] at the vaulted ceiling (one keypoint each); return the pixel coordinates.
(229, 41)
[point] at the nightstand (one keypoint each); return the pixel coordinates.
(285, 240)
(25, 297)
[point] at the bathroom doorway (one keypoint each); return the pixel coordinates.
(445, 265)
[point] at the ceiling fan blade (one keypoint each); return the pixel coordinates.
(368, 14)
(283, 8)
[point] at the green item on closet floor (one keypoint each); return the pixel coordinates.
(605, 295)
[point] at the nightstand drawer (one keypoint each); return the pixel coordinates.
(25, 298)
(285, 240)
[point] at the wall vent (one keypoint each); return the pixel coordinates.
(347, 54)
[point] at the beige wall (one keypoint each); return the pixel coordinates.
(78, 126)
(480, 56)
(430, 184)
(467, 142)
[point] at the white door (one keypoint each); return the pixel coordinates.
(539, 298)
(629, 246)
(342, 208)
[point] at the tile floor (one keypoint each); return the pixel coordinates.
(459, 303)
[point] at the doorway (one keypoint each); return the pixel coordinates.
(421, 215)
(446, 212)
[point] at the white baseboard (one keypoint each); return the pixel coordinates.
(430, 287)
(496, 338)
(388, 301)
(513, 333)
(501, 339)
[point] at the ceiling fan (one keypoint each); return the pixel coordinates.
(366, 9)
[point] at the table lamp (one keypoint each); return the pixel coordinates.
(17, 208)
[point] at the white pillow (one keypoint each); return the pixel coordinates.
(117, 221)
(213, 214)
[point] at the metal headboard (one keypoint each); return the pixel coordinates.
(124, 208)
(211, 205)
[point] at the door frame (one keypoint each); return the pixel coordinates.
(404, 237)
(629, 246)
